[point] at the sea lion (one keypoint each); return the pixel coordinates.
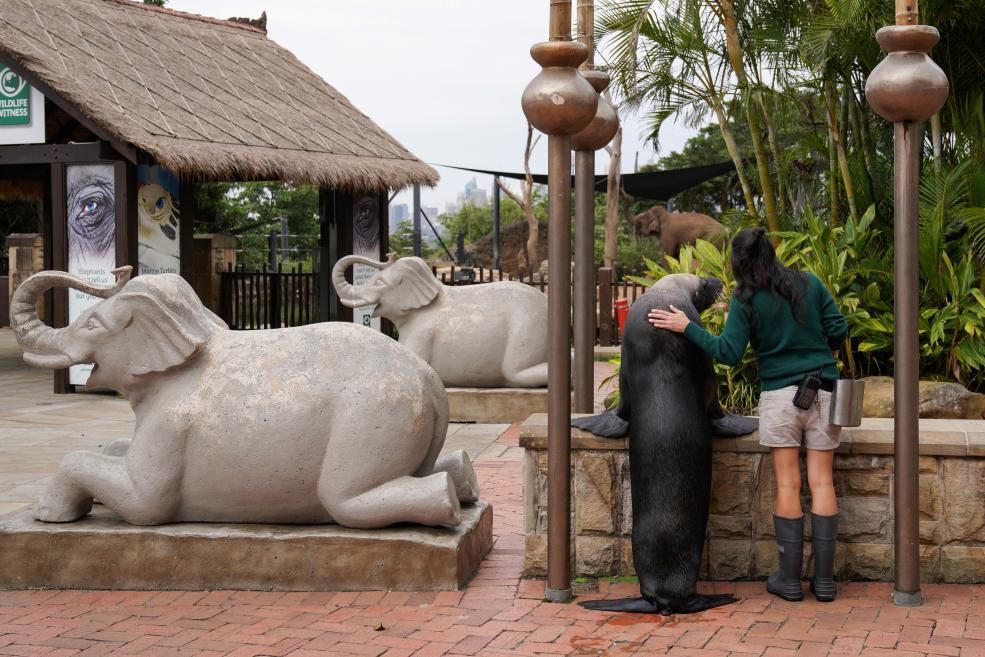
(670, 402)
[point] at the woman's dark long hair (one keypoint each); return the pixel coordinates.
(755, 267)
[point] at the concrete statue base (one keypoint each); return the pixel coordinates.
(101, 551)
(495, 405)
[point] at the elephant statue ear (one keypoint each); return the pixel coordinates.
(418, 285)
(156, 339)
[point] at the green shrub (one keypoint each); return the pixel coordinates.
(855, 263)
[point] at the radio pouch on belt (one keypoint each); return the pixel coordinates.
(807, 391)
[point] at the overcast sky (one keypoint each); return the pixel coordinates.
(444, 77)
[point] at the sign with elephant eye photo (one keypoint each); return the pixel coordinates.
(21, 109)
(90, 192)
(366, 243)
(158, 221)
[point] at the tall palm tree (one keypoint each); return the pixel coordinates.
(671, 64)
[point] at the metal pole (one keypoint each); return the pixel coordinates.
(584, 308)
(495, 217)
(907, 88)
(559, 102)
(558, 587)
(417, 220)
(272, 251)
(906, 426)
(559, 369)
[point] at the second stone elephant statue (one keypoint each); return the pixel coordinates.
(492, 335)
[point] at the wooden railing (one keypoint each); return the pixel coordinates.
(268, 299)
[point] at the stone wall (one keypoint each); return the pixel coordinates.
(740, 543)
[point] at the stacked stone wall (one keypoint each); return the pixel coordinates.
(740, 542)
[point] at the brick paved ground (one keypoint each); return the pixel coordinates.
(499, 614)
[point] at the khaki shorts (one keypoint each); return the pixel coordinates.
(781, 424)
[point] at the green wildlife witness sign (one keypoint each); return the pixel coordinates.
(15, 98)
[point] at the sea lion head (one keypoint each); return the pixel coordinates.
(702, 291)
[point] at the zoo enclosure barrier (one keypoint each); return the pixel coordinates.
(268, 298)
(274, 299)
(610, 293)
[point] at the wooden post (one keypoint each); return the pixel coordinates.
(605, 307)
(59, 261)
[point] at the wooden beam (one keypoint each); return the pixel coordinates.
(126, 214)
(59, 261)
(126, 150)
(51, 153)
(186, 227)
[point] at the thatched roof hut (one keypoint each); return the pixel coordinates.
(209, 99)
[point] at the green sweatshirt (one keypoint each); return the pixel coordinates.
(787, 350)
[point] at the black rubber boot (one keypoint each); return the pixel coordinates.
(785, 582)
(824, 530)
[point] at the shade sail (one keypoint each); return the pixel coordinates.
(655, 185)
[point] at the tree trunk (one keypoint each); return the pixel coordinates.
(526, 203)
(734, 49)
(831, 106)
(612, 201)
(733, 151)
(834, 199)
(936, 135)
(857, 117)
(778, 159)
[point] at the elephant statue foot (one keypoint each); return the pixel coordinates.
(430, 500)
(459, 466)
(63, 500)
(532, 377)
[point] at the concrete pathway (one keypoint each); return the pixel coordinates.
(498, 615)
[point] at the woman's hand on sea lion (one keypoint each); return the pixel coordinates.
(672, 320)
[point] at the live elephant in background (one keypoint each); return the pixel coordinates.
(326, 423)
(669, 406)
(481, 336)
(675, 229)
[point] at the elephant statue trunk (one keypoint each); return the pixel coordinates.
(42, 344)
(347, 292)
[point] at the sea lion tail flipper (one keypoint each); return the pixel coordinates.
(630, 605)
(731, 424)
(698, 603)
(607, 425)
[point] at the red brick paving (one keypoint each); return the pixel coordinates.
(498, 615)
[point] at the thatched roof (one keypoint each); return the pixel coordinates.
(209, 99)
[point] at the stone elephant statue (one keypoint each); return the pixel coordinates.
(491, 335)
(675, 229)
(323, 423)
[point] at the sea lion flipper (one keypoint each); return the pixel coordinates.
(629, 605)
(607, 425)
(731, 424)
(698, 603)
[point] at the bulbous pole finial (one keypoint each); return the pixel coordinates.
(604, 125)
(907, 85)
(559, 100)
